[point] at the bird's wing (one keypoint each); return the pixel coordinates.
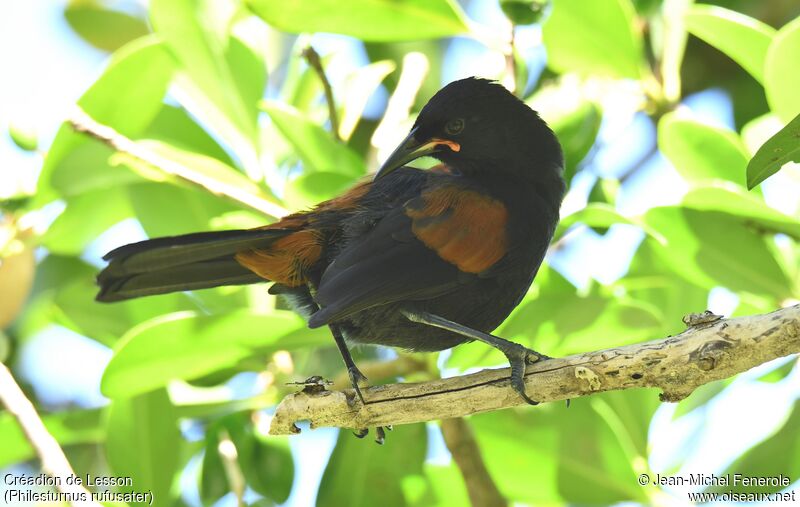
(438, 240)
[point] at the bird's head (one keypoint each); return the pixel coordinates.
(477, 126)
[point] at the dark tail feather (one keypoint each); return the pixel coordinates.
(178, 263)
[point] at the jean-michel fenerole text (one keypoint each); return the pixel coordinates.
(781, 481)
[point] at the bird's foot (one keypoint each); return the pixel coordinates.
(380, 433)
(357, 377)
(519, 358)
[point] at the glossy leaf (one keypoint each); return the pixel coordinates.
(359, 471)
(143, 443)
(101, 27)
(751, 210)
(576, 124)
(782, 74)
(599, 215)
(309, 189)
(741, 37)
(221, 76)
(588, 449)
(779, 373)
(779, 150)
(597, 37)
(700, 152)
(126, 97)
(190, 209)
(711, 248)
(368, 20)
(186, 345)
(86, 216)
(315, 147)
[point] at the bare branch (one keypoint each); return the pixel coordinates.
(312, 57)
(82, 122)
(708, 350)
(460, 441)
(54, 462)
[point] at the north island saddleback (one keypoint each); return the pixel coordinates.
(417, 259)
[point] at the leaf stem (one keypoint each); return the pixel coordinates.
(313, 59)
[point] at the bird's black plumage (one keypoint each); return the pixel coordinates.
(398, 260)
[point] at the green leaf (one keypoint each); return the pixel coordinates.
(101, 27)
(777, 455)
(751, 210)
(310, 189)
(523, 12)
(368, 20)
(315, 147)
(711, 248)
(699, 398)
(648, 280)
(443, 486)
(587, 454)
(265, 462)
(782, 74)
(221, 76)
(359, 88)
(594, 38)
(23, 135)
(741, 37)
(187, 345)
(575, 122)
(779, 373)
(126, 97)
(359, 471)
(143, 443)
(86, 217)
(779, 150)
(598, 214)
(188, 209)
(700, 152)
(214, 175)
(68, 428)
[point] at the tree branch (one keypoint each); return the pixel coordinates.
(82, 122)
(710, 349)
(54, 461)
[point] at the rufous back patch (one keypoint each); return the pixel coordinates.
(464, 227)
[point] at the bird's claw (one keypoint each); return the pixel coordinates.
(518, 358)
(355, 378)
(380, 433)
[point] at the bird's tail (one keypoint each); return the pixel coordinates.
(178, 263)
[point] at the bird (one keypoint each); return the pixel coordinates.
(418, 259)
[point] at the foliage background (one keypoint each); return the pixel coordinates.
(659, 105)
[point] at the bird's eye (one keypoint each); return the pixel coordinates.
(454, 127)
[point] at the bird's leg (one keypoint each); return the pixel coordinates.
(518, 356)
(352, 370)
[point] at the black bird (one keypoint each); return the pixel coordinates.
(418, 259)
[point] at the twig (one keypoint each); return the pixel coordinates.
(54, 462)
(510, 80)
(312, 57)
(82, 122)
(230, 463)
(677, 365)
(460, 441)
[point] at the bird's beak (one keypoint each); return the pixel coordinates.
(412, 149)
